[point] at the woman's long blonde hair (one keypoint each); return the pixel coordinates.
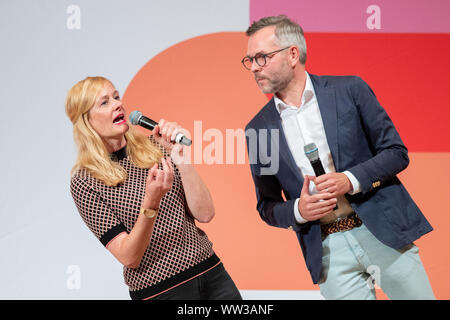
(92, 152)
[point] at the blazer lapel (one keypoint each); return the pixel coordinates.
(326, 98)
(273, 121)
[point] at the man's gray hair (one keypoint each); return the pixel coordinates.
(287, 33)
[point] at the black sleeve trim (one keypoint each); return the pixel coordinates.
(112, 233)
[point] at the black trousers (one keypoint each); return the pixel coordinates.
(216, 284)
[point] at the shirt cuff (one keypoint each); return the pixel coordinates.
(112, 233)
(298, 216)
(355, 183)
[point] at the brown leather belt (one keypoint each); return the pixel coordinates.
(344, 224)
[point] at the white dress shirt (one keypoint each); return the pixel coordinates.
(303, 125)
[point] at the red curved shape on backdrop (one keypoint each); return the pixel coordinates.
(202, 79)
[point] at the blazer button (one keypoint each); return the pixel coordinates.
(376, 184)
(290, 228)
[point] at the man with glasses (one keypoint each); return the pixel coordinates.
(356, 223)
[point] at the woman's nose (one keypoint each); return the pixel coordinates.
(118, 104)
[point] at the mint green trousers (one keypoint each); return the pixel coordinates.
(355, 263)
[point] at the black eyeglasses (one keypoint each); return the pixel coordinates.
(260, 59)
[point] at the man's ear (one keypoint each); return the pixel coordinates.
(294, 55)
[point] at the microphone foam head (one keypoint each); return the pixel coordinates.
(312, 152)
(135, 116)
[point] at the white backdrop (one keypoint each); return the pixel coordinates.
(47, 46)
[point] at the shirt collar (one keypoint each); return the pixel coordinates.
(118, 155)
(307, 96)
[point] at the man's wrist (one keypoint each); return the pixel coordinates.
(298, 216)
(355, 185)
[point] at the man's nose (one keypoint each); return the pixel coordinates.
(255, 66)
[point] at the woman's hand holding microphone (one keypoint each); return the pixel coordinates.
(165, 133)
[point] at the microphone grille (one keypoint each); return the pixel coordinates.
(311, 151)
(135, 116)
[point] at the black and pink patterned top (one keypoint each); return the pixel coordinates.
(178, 249)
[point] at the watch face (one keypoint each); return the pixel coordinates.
(150, 213)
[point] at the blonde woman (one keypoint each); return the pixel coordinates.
(140, 205)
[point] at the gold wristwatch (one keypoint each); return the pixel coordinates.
(149, 213)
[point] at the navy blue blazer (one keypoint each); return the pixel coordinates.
(362, 140)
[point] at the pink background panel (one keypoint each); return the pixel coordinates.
(397, 16)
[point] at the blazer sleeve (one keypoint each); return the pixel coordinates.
(272, 207)
(390, 156)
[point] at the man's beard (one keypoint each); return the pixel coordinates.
(276, 82)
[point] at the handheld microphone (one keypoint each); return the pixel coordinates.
(137, 118)
(312, 153)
